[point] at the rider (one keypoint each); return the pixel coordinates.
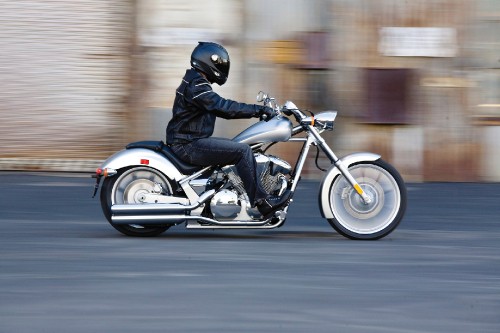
(196, 106)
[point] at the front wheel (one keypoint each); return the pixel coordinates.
(355, 219)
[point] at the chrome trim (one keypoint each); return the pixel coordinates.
(160, 208)
(194, 175)
(195, 225)
(211, 223)
(300, 163)
(325, 120)
(289, 105)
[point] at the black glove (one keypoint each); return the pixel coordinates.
(266, 113)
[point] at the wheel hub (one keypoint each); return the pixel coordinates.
(136, 191)
(358, 204)
(357, 207)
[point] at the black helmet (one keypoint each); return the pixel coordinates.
(213, 60)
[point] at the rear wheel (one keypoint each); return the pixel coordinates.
(357, 220)
(126, 188)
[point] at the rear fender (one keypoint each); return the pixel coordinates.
(326, 183)
(142, 157)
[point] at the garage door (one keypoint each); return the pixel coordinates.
(64, 72)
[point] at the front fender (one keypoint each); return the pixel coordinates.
(326, 183)
(142, 157)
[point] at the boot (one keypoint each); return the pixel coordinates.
(272, 204)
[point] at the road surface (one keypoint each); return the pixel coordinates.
(64, 269)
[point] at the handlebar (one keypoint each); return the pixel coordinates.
(288, 109)
(324, 121)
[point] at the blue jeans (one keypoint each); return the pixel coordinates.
(220, 151)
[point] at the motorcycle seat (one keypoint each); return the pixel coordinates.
(160, 147)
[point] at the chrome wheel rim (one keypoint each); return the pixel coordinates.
(350, 210)
(133, 184)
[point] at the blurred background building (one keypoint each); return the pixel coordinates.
(416, 81)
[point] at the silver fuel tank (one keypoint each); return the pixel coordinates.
(274, 130)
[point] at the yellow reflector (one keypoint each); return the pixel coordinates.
(358, 189)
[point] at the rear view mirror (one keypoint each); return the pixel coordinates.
(261, 96)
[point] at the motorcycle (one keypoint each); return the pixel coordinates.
(146, 189)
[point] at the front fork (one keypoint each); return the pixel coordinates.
(318, 139)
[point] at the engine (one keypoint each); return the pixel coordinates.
(225, 204)
(272, 173)
(232, 200)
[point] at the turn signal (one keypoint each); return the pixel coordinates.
(105, 172)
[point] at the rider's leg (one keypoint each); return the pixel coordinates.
(220, 151)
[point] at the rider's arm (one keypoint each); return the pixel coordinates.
(205, 98)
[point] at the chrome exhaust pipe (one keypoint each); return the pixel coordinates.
(176, 219)
(153, 219)
(151, 209)
(193, 222)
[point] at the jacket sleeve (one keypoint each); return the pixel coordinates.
(205, 98)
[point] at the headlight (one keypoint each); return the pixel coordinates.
(325, 120)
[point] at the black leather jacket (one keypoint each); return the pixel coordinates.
(196, 107)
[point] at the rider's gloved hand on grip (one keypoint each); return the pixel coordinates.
(266, 113)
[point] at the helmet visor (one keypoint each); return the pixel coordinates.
(221, 63)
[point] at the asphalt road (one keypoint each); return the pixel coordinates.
(64, 269)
